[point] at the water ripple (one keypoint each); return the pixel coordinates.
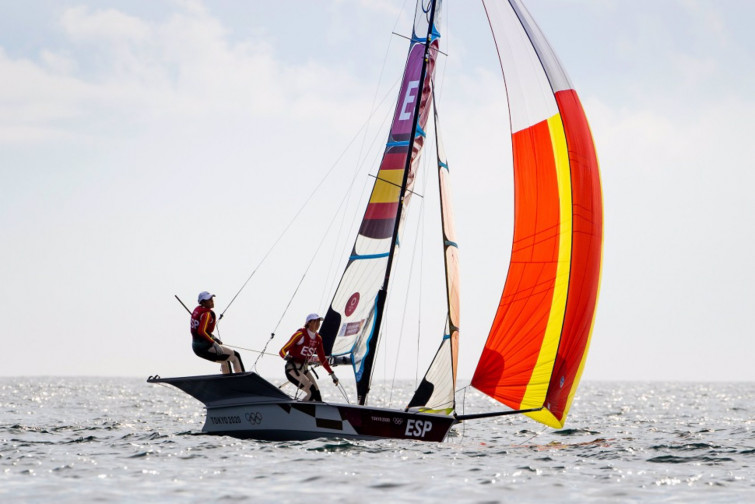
(124, 440)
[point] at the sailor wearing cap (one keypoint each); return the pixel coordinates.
(303, 348)
(204, 343)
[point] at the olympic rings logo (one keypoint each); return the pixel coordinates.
(254, 417)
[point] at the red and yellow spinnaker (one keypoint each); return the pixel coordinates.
(540, 335)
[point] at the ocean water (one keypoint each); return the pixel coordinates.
(123, 440)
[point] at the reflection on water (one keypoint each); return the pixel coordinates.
(122, 439)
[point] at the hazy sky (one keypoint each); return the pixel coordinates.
(156, 148)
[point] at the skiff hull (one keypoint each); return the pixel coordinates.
(249, 407)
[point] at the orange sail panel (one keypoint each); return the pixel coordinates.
(516, 365)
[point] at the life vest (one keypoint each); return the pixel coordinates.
(199, 333)
(302, 348)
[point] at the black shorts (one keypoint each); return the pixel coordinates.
(202, 349)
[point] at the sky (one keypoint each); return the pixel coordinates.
(153, 149)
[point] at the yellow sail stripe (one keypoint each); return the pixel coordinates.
(388, 186)
(537, 387)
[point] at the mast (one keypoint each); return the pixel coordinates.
(363, 387)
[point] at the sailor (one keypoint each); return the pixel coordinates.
(204, 343)
(303, 348)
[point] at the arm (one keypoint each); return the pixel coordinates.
(288, 345)
(321, 355)
(202, 329)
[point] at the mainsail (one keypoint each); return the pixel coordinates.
(351, 327)
(539, 338)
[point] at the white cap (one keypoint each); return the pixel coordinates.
(311, 317)
(204, 296)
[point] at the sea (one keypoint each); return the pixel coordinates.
(68, 439)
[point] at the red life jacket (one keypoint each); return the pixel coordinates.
(202, 324)
(302, 348)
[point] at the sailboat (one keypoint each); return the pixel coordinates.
(535, 352)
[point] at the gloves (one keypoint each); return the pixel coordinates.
(335, 378)
(218, 349)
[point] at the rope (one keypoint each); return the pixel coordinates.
(348, 196)
(403, 316)
(261, 352)
(464, 408)
(419, 244)
(343, 392)
(537, 434)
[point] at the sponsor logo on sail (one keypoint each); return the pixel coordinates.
(351, 304)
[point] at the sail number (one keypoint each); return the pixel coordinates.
(418, 428)
(411, 95)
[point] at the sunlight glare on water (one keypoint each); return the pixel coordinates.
(120, 439)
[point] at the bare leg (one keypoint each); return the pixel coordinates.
(238, 366)
(313, 393)
(227, 358)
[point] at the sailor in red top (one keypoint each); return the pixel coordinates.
(305, 347)
(204, 343)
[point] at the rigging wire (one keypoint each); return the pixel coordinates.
(419, 301)
(463, 409)
(418, 245)
(347, 198)
(304, 205)
(296, 290)
(403, 321)
(373, 109)
(261, 352)
(343, 392)
(360, 159)
(537, 434)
